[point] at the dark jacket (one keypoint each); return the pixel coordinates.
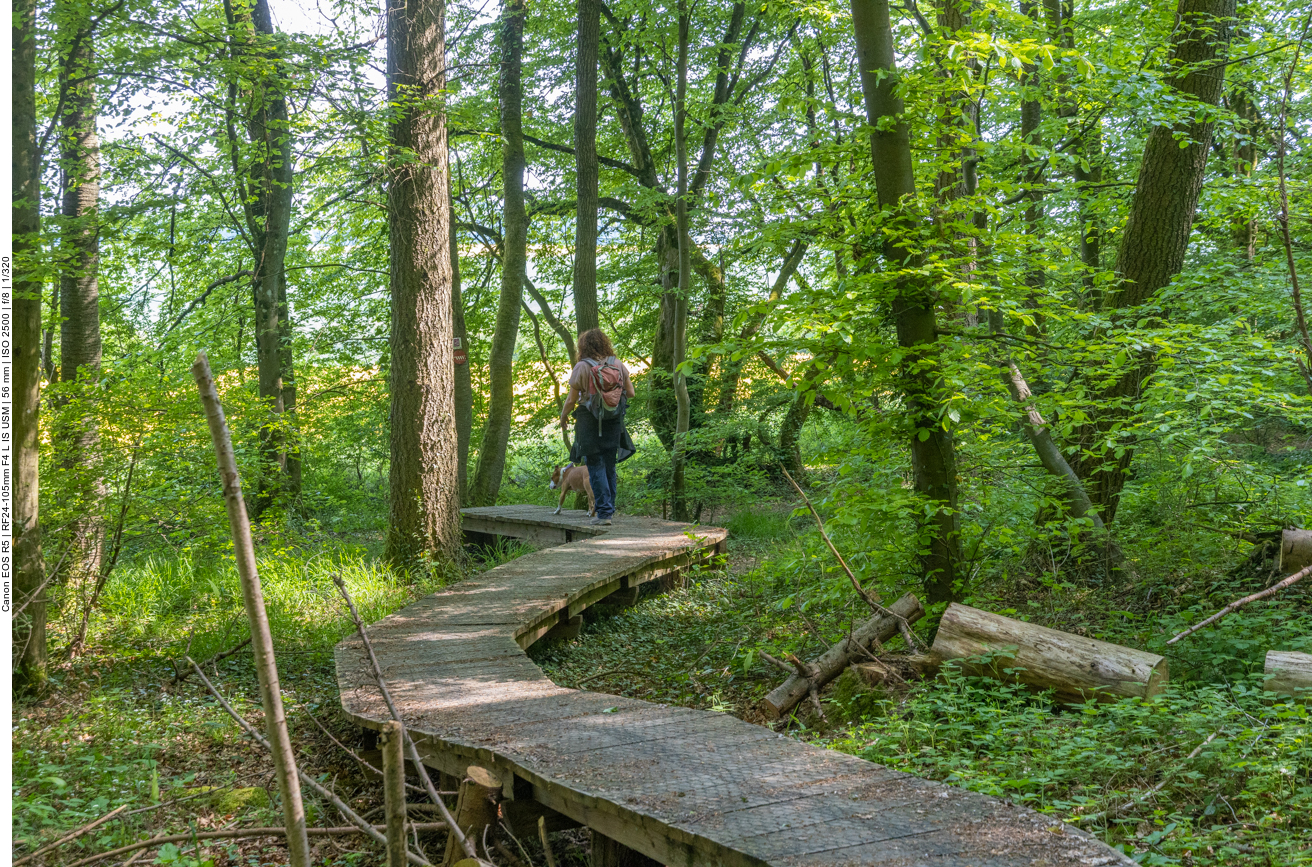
(614, 435)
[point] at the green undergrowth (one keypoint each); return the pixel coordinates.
(117, 730)
(1121, 770)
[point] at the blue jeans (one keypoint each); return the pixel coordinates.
(601, 475)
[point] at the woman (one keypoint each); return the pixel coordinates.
(600, 387)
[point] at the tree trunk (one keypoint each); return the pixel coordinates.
(1031, 115)
(1087, 147)
(265, 190)
(1076, 667)
(425, 499)
(77, 437)
(1248, 128)
(271, 210)
(933, 455)
(464, 387)
(682, 417)
(830, 665)
(585, 164)
(501, 360)
(29, 629)
(733, 370)
(1156, 234)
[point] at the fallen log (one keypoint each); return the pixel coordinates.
(1289, 673)
(1295, 550)
(831, 663)
(1042, 658)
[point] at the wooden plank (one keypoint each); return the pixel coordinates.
(679, 786)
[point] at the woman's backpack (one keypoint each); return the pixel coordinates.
(605, 397)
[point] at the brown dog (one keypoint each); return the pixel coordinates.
(573, 478)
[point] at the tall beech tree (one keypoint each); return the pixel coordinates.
(585, 166)
(265, 191)
(424, 502)
(933, 452)
(1156, 233)
(514, 258)
(29, 635)
(77, 435)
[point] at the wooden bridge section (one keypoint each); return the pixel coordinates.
(684, 787)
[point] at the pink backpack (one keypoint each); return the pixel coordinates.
(605, 389)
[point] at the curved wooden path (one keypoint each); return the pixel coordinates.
(681, 786)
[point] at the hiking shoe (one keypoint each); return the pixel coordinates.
(605, 521)
(597, 522)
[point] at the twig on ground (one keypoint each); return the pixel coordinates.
(237, 834)
(351, 816)
(815, 630)
(1240, 603)
(72, 835)
(1112, 811)
(352, 753)
(871, 599)
(785, 667)
(216, 658)
(460, 837)
(511, 857)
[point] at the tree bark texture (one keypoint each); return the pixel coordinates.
(585, 165)
(268, 206)
(933, 454)
(882, 627)
(1076, 667)
(464, 386)
(76, 435)
(1157, 231)
(501, 359)
(29, 629)
(425, 497)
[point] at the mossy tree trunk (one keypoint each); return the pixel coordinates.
(501, 359)
(933, 452)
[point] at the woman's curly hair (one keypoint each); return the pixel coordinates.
(595, 344)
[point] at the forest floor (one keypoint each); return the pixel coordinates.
(118, 730)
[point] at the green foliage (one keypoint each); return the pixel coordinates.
(1122, 769)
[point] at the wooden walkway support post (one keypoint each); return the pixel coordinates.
(394, 791)
(476, 809)
(266, 667)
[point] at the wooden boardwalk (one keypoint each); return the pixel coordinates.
(685, 787)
